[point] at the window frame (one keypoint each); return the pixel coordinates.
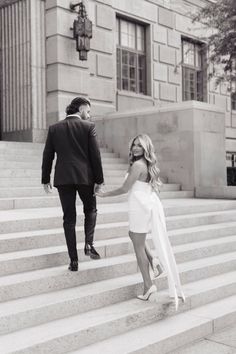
(194, 69)
(138, 53)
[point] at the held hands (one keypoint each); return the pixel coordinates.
(98, 191)
(47, 188)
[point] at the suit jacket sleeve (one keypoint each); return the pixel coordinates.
(95, 156)
(48, 156)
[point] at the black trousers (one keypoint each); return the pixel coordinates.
(67, 195)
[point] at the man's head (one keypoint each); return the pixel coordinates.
(81, 106)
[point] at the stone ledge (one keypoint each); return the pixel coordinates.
(170, 108)
(219, 192)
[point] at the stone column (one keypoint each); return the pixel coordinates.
(23, 93)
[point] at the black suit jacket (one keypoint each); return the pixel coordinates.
(78, 156)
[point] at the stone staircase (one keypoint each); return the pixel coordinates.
(44, 308)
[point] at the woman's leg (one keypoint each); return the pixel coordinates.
(149, 253)
(143, 263)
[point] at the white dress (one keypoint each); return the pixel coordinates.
(146, 215)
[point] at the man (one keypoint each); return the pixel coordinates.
(78, 169)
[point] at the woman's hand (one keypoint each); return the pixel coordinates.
(100, 193)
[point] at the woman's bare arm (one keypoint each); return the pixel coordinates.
(135, 171)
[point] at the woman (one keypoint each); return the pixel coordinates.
(146, 215)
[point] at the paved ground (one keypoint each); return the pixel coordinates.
(222, 342)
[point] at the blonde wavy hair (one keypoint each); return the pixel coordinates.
(150, 157)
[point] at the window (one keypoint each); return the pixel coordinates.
(192, 71)
(131, 56)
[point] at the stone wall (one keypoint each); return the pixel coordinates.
(189, 139)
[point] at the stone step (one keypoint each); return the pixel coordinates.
(46, 280)
(37, 154)
(37, 165)
(33, 191)
(19, 241)
(46, 218)
(26, 260)
(8, 145)
(170, 333)
(36, 181)
(31, 173)
(21, 157)
(53, 200)
(38, 309)
(14, 145)
(65, 335)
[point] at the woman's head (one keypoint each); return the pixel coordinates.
(142, 146)
(79, 105)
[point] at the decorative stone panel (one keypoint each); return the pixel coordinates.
(105, 17)
(160, 72)
(167, 55)
(105, 66)
(167, 92)
(160, 34)
(174, 39)
(166, 17)
(174, 76)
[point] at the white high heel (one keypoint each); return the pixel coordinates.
(177, 298)
(150, 291)
(156, 267)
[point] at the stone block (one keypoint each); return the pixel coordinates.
(173, 38)
(59, 21)
(51, 23)
(65, 4)
(227, 119)
(137, 8)
(160, 34)
(67, 78)
(160, 72)
(102, 89)
(105, 17)
(185, 25)
(103, 41)
(166, 17)
(63, 50)
(167, 92)
(167, 55)
(105, 66)
(178, 58)
(220, 101)
(156, 89)
(155, 51)
(179, 94)
(174, 76)
(92, 61)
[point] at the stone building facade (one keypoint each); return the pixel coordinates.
(144, 54)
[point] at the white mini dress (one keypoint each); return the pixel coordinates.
(146, 215)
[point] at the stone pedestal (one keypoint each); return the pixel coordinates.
(189, 139)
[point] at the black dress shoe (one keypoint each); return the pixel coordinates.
(89, 250)
(73, 266)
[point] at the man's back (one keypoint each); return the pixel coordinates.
(78, 156)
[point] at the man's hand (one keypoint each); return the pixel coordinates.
(47, 188)
(97, 188)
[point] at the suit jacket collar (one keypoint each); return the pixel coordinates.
(73, 115)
